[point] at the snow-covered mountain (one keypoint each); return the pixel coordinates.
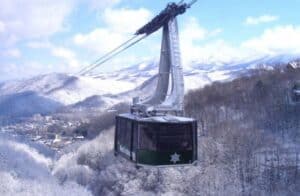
(66, 89)
(46, 93)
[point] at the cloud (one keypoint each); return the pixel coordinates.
(67, 55)
(32, 19)
(12, 53)
(2, 27)
(191, 38)
(24, 70)
(101, 4)
(33, 23)
(126, 20)
(216, 51)
(39, 45)
(281, 39)
(200, 44)
(216, 32)
(120, 24)
(99, 40)
(192, 31)
(261, 19)
(39, 19)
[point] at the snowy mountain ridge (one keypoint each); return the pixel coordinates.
(51, 91)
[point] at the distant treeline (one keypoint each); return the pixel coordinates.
(260, 99)
(102, 122)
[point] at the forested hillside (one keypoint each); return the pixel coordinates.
(249, 128)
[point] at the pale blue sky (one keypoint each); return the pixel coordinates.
(62, 36)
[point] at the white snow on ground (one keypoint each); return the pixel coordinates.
(93, 165)
(92, 168)
(86, 86)
(193, 82)
(11, 185)
(219, 75)
(26, 171)
(142, 66)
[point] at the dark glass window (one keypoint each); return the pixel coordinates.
(147, 137)
(135, 136)
(166, 137)
(124, 132)
(175, 137)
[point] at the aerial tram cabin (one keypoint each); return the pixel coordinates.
(156, 141)
(155, 133)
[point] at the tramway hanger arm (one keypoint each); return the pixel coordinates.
(169, 93)
(171, 11)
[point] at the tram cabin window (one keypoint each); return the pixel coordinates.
(166, 137)
(125, 132)
(148, 137)
(175, 137)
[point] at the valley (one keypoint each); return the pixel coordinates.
(248, 144)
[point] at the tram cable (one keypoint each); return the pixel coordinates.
(124, 46)
(102, 57)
